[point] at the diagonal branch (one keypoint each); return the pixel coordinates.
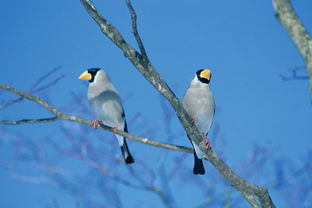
(61, 116)
(250, 200)
(303, 41)
(33, 89)
(43, 77)
(150, 73)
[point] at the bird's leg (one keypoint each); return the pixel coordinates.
(95, 123)
(115, 128)
(207, 142)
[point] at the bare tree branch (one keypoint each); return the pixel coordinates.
(24, 121)
(150, 73)
(294, 75)
(33, 88)
(135, 30)
(250, 200)
(43, 77)
(288, 18)
(164, 199)
(61, 116)
(48, 85)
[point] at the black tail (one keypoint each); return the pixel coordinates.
(198, 166)
(198, 163)
(125, 150)
(126, 154)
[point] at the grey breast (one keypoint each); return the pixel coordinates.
(107, 107)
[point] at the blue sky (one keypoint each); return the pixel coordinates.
(241, 42)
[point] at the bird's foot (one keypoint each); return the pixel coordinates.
(95, 123)
(207, 143)
(115, 128)
(193, 121)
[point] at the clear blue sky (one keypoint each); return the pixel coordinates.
(241, 42)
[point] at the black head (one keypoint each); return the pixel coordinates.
(89, 74)
(204, 75)
(93, 72)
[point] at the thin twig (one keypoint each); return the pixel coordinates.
(25, 121)
(135, 31)
(33, 88)
(294, 76)
(43, 77)
(163, 197)
(61, 116)
(48, 85)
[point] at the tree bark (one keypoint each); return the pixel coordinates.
(302, 40)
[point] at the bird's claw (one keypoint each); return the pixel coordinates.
(115, 128)
(207, 143)
(95, 123)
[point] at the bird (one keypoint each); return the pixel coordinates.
(199, 103)
(106, 104)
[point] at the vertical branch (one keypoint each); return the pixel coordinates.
(135, 31)
(288, 18)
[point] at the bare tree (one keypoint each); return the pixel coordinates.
(257, 196)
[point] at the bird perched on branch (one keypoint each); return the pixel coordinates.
(106, 105)
(199, 103)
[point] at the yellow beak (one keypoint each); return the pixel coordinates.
(85, 76)
(205, 74)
